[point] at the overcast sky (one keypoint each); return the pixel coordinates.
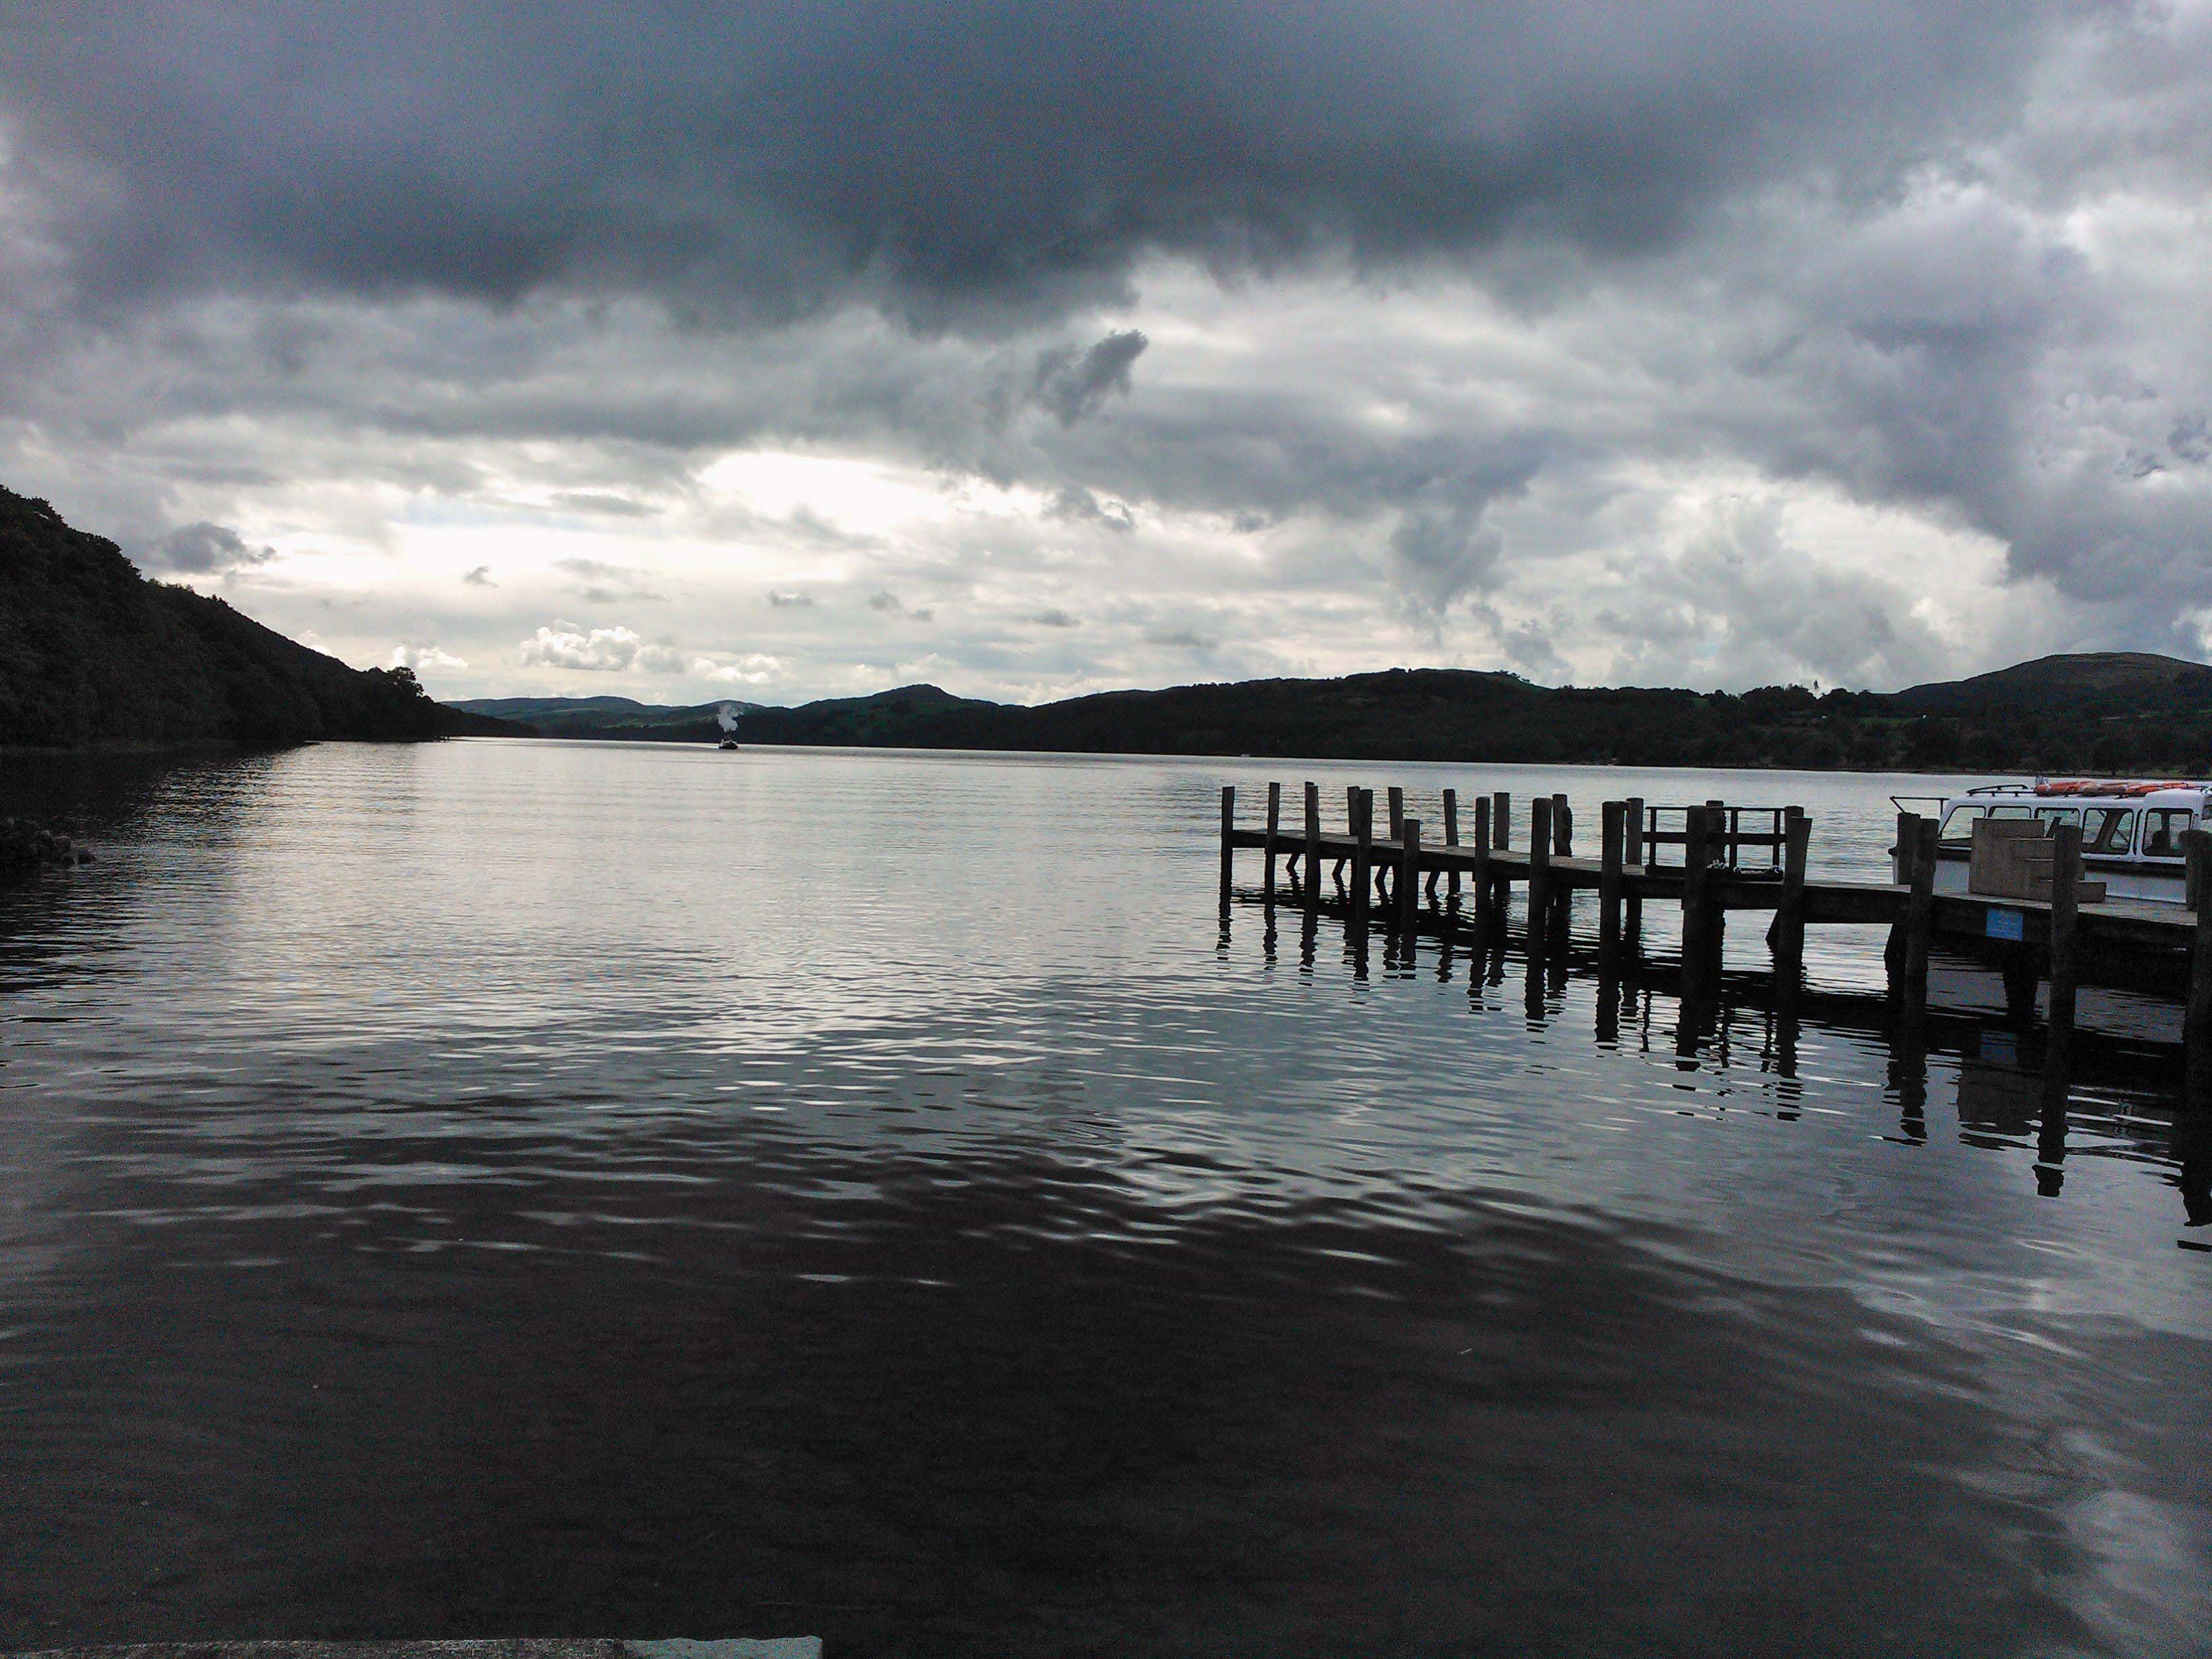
(1031, 350)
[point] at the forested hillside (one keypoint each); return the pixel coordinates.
(92, 653)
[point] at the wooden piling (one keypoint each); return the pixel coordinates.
(1563, 828)
(1635, 856)
(1919, 842)
(1397, 813)
(1539, 872)
(2065, 964)
(1790, 914)
(1501, 820)
(2197, 1023)
(1479, 880)
(1228, 848)
(1312, 884)
(1363, 856)
(1612, 842)
(1275, 823)
(1409, 885)
(1697, 885)
(1451, 839)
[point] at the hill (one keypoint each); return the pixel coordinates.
(2100, 683)
(92, 652)
(2092, 711)
(610, 717)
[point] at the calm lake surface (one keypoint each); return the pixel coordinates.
(497, 1188)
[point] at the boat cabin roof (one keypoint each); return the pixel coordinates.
(2106, 792)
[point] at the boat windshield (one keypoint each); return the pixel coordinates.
(2109, 830)
(1958, 828)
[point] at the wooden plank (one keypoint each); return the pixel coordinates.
(1228, 842)
(2065, 965)
(2196, 1021)
(1312, 868)
(1613, 841)
(1409, 882)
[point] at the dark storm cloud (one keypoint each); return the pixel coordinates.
(952, 160)
(1072, 385)
(204, 550)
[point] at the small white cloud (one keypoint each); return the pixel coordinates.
(661, 660)
(424, 658)
(565, 645)
(753, 670)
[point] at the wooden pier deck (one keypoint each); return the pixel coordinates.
(1381, 876)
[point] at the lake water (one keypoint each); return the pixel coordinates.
(494, 1188)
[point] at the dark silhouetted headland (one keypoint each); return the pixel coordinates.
(92, 652)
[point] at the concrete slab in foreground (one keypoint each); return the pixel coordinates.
(676, 1647)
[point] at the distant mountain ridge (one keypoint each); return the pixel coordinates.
(2089, 711)
(92, 652)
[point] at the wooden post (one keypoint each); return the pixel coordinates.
(1275, 823)
(1786, 936)
(2197, 1023)
(1451, 838)
(1228, 852)
(1313, 849)
(1697, 858)
(1539, 872)
(1563, 828)
(1409, 885)
(2065, 966)
(1612, 840)
(1634, 856)
(1397, 813)
(1920, 905)
(1480, 882)
(1501, 820)
(1363, 856)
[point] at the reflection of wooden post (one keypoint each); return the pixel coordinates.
(1612, 840)
(1275, 823)
(1228, 852)
(1409, 884)
(1363, 855)
(1563, 828)
(2065, 967)
(1539, 872)
(1918, 838)
(1313, 848)
(1397, 813)
(1788, 936)
(1633, 855)
(2196, 1024)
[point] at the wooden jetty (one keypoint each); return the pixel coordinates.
(1726, 860)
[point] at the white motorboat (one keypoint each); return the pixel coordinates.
(2133, 830)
